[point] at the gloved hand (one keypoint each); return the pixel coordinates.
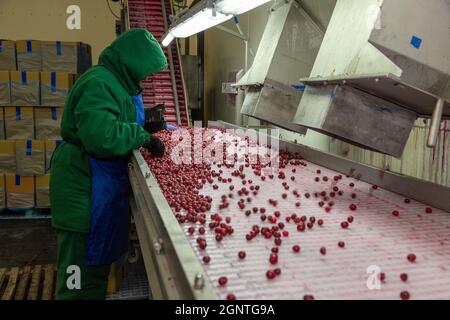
(155, 146)
(171, 127)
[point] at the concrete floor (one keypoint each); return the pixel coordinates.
(26, 242)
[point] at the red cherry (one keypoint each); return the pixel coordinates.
(404, 295)
(273, 259)
(429, 210)
(412, 257)
(231, 297)
(407, 201)
(382, 276)
(395, 213)
(206, 259)
(301, 227)
(277, 271)
(320, 222)
(242, 255)
(191, 230)
(352, 185)
(375, 187)
(223, 281)
(284, 195)
(344, 225)
(296, 248)
(323, 251)
(353, 207)
(404, 277)
(278, 241)
(341, 244)
(350, 219)
(308, 297)
(270, 275)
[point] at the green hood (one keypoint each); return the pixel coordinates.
(132, 57)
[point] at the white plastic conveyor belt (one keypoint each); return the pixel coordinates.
(385, 230)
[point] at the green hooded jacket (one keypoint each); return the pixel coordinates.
(99, 119)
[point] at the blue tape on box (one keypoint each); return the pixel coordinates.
(24, 77)
(416, 42)
(235, 20)
(29, 46)
(58, 48)
(54, 114)
(299, 87)
(17, 180)
(53, 81)
(18, 114)
(29, 147)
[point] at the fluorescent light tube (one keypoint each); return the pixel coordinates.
(236, 7)
(168, 38)
(199, 22)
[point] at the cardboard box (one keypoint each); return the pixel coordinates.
(2, 123)
(5, 89)
(47, 123)
(7, 156)
(67, 57)
(55, 87)
(50, 147)
(25, 88)
(19, 192)
(19, 123)
(43, 191)
(29, 55)
(30, 157)
(2, 192)
(8, 60)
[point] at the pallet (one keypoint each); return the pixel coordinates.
(28, 283)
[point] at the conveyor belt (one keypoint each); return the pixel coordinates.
(375, 238)
(159, 88)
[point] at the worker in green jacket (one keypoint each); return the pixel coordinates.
(103, 121)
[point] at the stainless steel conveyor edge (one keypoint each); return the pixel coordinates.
(423, 191)
(174, 272)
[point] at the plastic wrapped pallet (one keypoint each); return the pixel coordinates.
(43, 191)
(30, 157)
(19, 192)
(2, 192)
(55, 87)
(7, 156)
(29, 55)
(5, 89)
(19, 123)
(25, 88)
(8, 55)
(50, 147)
(67, 57)
(47, 123)
(2, 123)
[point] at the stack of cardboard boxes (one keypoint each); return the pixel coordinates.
(35, 78)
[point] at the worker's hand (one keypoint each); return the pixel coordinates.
(155, 146)
(171, 127)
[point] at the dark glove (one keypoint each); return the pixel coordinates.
(154, 126)
(154, 119)
(155, 146)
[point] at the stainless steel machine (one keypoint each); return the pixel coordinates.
(367, 68)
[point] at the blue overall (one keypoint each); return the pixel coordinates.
(109, 217)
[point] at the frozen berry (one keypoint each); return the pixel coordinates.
(353, 207)
(270, 275)
(296, 248)
(242, 255)
(404, 295)
(323, 251)
(344, 225)
(223, 281)
(206, 259)
(404, 277)
(412, 257)
(277, 271)
(273, 258)
(341, 244)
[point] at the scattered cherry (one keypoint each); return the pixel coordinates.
(341, 244)
(270, 275)
(395, 213)
(242, 255)
(308, 297)
(231, 297)
(404, 295)
(296, 248)
(323, 251)
(223, 281)
(206, 259)
(412, 257)
(344, 225)
(429, 210)
(404, 277)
